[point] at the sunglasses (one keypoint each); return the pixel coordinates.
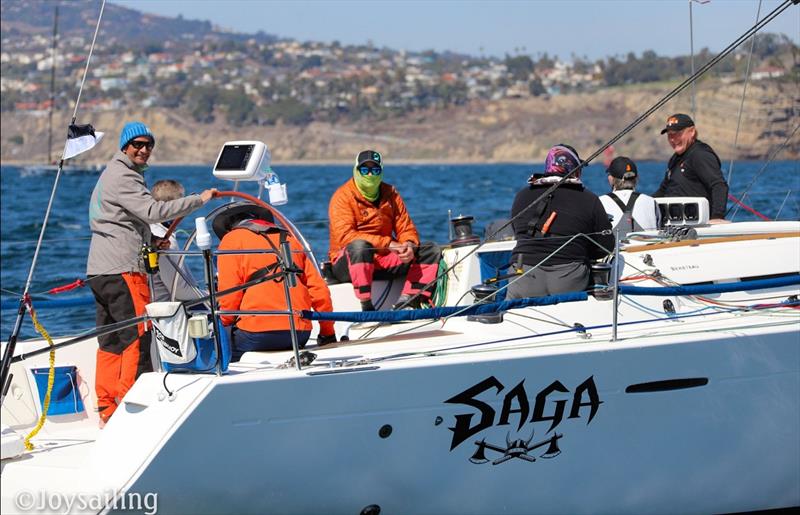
(374, 170)
(138, 145)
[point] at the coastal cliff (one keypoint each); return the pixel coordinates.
(507, 130)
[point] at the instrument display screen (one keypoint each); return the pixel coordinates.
(234, 157)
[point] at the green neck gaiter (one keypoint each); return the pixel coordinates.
(368, 185)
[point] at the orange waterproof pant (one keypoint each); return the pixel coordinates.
(125, 354)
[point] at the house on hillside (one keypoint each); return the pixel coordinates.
(767, 72)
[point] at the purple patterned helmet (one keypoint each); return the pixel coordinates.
(562, 159)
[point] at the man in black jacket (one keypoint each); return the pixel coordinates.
(542, 229)
(694, 170)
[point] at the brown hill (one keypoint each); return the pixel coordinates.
(507, 130)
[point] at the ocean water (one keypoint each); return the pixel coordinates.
(484, 191)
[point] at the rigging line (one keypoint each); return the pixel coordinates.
(783, 203)
(535, 319)
(572, 330)
(86, 68)
(61, 164)
(542, 262)
(669, 96)
(740, 203)
(90, 279)
(744, 93)
(52, 89)
(520, 325)
(763, 168)
(17, 242)
(691, 50)
(488, 298)
(580, 341)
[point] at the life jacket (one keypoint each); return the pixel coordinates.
(233, 270)
(628, 223)
(262, 228)
(539, 225)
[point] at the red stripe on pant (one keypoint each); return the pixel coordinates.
(123, 355)
(419, 273)
(361, 273)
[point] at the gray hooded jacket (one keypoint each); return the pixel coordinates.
(120, 212)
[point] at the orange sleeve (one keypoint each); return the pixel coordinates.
(317, 288)
(230, 274)
(404, 228)
(344, 225)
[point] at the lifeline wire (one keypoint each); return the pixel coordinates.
(669, 96)
(487, 299)
(763, 168)
(744, 93)
(61, 163)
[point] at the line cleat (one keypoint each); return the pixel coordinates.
(306, 358)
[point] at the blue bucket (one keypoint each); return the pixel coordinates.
(206, 358)
(65, 398)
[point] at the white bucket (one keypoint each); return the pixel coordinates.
(277, 194)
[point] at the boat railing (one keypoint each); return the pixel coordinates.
(285, 270)
(481, 306)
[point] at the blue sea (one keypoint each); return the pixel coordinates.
(430, 192)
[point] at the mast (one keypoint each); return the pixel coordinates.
(52, 90)
(691, 47)
(691, 51)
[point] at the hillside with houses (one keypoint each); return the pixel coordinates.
(316, 101)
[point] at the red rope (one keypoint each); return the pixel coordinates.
(78, 283)
(747, 208)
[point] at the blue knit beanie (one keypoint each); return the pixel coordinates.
(134, 130)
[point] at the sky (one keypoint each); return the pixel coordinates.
(591, 29)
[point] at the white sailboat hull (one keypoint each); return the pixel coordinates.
(698, 411)
(303, 444)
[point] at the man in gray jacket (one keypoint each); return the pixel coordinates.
(120, 212)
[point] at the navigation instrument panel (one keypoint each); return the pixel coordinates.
(242, 161)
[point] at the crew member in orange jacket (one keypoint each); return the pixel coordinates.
(371, 229)
(248, 227)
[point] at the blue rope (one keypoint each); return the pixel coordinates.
(705, 289)
(477, 309)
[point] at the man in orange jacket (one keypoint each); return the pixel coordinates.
(371, 229)
(248, 227)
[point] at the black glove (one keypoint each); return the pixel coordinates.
(326, 339)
